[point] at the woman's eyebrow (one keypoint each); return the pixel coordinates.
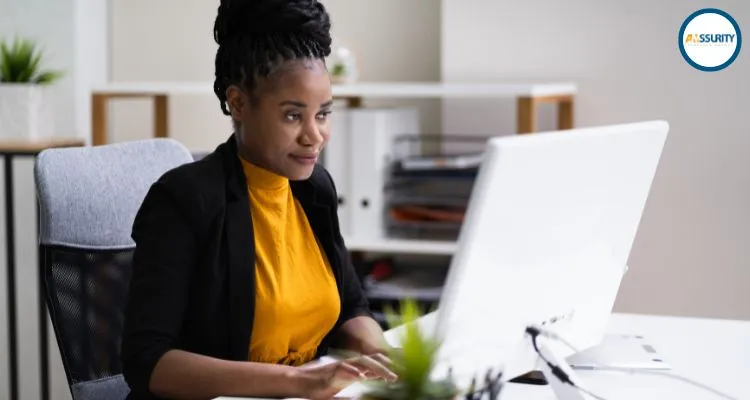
(293, 103)
(300, 104)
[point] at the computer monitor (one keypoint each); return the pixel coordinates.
(545, 241)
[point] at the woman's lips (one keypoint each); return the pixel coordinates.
(306, 159)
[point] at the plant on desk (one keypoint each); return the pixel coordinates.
(25, 110)
(413, 362)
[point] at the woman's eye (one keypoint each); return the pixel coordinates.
(293, 116)
(323, 115)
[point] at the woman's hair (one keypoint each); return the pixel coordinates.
(256, 36)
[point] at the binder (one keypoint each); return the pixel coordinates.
(359, 156)
(336, 160)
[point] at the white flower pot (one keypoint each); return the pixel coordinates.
(25, 112)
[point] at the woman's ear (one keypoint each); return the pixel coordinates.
(237, 101)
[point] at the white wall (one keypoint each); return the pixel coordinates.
(74, 37)
(92, 58)
(50, 24)
(73, 34)
(172, 40)
(166, 40)
(691, 255)
(395, 41)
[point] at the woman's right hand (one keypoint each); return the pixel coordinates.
(325, 381)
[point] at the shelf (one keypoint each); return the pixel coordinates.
(34, 146)
(455, 90)
(365, 89)
(423, 283)
(154, 88)
(401, 246)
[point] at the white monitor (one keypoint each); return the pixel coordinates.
(546, 240)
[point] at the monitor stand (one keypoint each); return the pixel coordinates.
(531, 378)
(563, 391)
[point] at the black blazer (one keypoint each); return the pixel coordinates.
(193, 283)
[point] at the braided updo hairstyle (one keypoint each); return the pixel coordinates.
(256, 36)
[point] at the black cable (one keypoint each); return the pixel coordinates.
(556, 370)
(666, 375)
(637, 371)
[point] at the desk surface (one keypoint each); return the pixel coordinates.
(29, 146)
(712, 352)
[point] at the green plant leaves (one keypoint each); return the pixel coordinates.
(338, 70)
(20, 63)
(6, 62)
(47, 77)
(413, 362)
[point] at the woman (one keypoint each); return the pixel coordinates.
(241, 275)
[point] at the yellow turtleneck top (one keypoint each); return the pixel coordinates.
(297, 301)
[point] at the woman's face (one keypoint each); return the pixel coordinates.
(284, 124)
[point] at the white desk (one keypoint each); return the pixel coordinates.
(713, 352)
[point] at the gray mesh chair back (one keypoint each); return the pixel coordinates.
(88, 199)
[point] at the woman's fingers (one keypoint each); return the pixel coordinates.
(345, 368)
(373, 367)
(345, 374)
(383, 359)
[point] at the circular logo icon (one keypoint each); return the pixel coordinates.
(710, 39)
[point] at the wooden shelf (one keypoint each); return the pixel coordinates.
(124, 89)
(365, 89)
(402, 246)
(454, 90)
(528, 96)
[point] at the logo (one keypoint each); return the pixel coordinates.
(710, 39)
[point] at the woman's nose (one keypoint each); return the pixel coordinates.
(312, 135)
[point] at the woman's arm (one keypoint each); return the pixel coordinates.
(183, 375)
(362, 335)
(163, 262)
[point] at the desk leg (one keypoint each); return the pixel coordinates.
(526, 115)
(11, 265)
(161, 116)
(99, 119)
(565, 113)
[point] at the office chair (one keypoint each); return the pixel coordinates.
(88, 198)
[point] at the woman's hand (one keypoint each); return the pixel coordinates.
(325, 381)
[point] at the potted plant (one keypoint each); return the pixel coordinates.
(413, 362)
(343, 66)
(25, 110)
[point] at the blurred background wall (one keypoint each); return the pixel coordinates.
(691, 255)
(172, 40)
